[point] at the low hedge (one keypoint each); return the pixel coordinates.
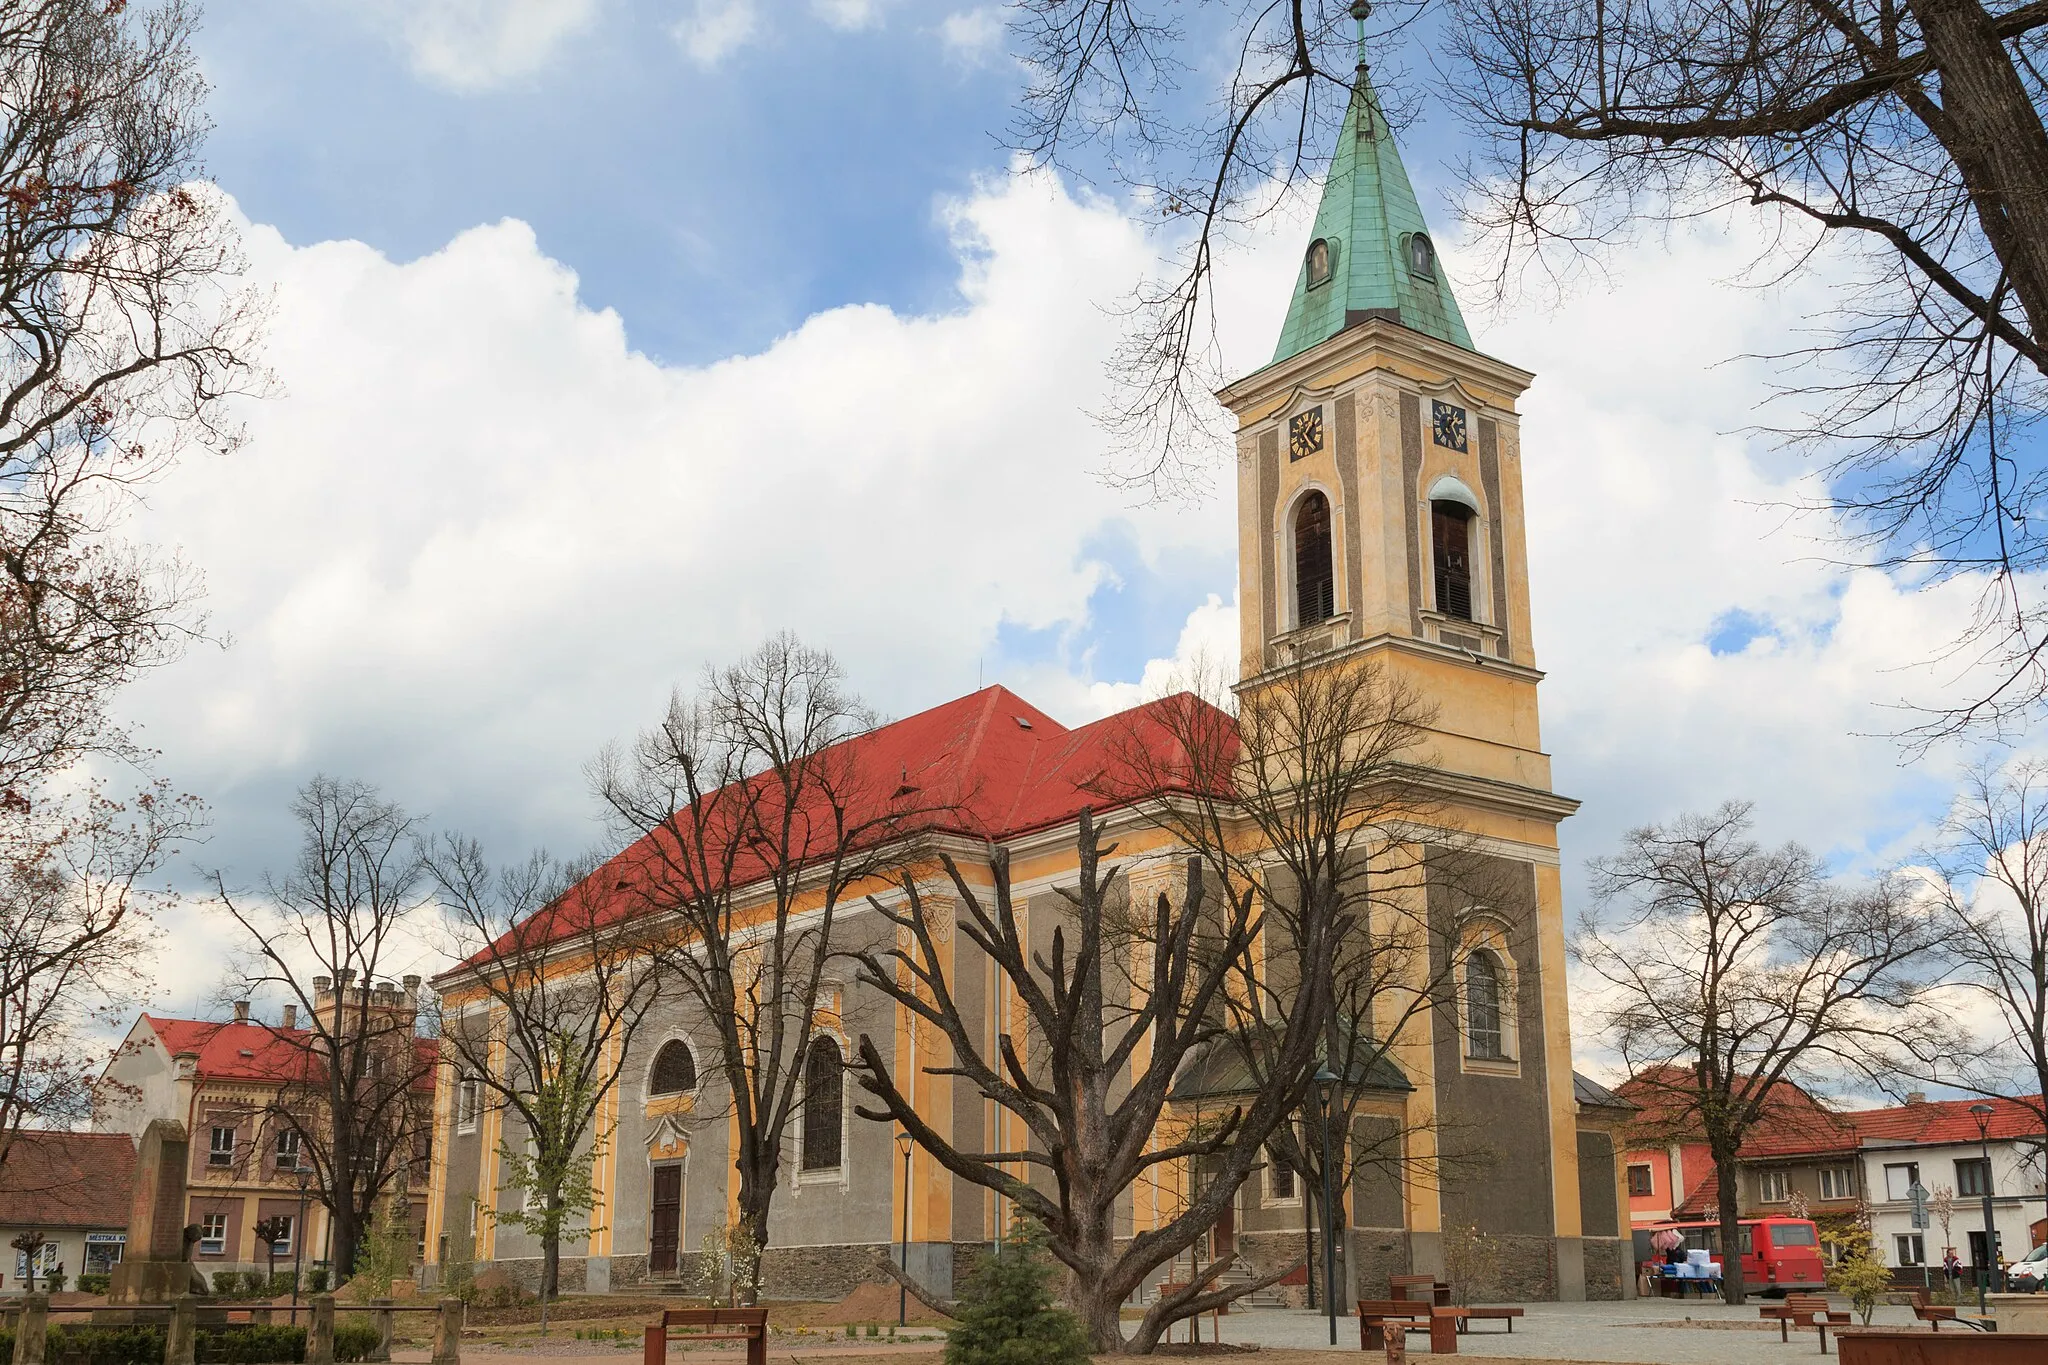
(143, 1344)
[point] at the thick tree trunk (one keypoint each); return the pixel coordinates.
(1992, 130)
(1727, 1172)
(756, 1194)
(1097, 1301)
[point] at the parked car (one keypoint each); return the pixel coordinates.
(2028, 1274)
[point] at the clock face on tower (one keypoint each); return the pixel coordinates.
(1448, 425)
(1305, 433)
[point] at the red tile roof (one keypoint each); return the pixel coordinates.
(988, 765)
(67, 1180)
(250, 1051)
(1703, 1202)
(1944, 1121)
(1792, 1123)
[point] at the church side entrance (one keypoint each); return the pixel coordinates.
(665, 1220)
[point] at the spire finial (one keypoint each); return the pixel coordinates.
(1361, 11)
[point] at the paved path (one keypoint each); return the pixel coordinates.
(1643, 1332)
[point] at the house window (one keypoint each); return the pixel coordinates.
(675, 1070)
(1279, 1178)
(1482, 1005)
(824, 1096)
(469, 1102)
(1977, 1256)
(1838, 1182)
(1318, 262)
(1900, 1179)
(1973, 1177)
(213, 1232)
(1450, 537)
(221, 1150)
(1773, 1187)
(1910, 1248)
(1315, 578)
(1640, 1182)
(282, 1246)
(288, 1150)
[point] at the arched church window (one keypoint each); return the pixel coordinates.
(1450, 535)
(824, 1100)
(1482, 1004)
(1318, 262)
(1315, 580)
(1421, 255)
(675, 1069)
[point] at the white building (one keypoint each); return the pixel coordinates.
(1937, 1143)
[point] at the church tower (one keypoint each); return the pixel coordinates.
(1380, 524)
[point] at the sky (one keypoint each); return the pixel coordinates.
(611, 336)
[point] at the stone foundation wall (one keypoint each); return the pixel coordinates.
(1605, 1266)
(822, 1274)
(1528, 1271)
(524, 1271)
(1377, 1255)
(1265, 1252)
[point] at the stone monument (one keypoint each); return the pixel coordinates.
(153, 1268)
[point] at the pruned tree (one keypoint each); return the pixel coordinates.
(1991, 884)
(1903, 138)
(1125, 996)
(78, 898)
(1723, 971)
(751, 819)
(550, 992)
(123, 328)
(1313, 792)
(355, 1081)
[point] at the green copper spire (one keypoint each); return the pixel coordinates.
(1370, 255)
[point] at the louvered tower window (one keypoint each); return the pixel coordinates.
(1450, 534)
(1315, 582)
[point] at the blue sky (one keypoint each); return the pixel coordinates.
(612, 335)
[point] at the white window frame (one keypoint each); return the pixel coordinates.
(1910, 1248)
(1489, 931)
(1340, 605)
(469, 1097)
(1271, 1195)
(283, 1247)
(841, 1174)
(289, 1142)
(216, 1155)
(213, 1246)
(1897, 1194)
(1842, 1181)
(1774, 1187)
(647, 1095)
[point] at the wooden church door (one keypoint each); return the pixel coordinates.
(665, 1221)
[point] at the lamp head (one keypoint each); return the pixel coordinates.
(903, 1141)
(1325, 1078)
(1982, 1112)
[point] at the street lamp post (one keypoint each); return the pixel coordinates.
(1983, 1113)
(299, 1242)
(1326, 1083)
(903, 1290)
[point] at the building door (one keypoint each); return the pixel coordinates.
(665, 1220)
(1223, 1233)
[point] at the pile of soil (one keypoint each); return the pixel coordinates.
(877, 1303)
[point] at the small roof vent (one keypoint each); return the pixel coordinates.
(1022, 724)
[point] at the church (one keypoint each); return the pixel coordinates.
(1380, 525)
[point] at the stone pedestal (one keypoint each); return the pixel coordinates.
(153, 1269)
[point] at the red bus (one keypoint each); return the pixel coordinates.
(1778, 1254)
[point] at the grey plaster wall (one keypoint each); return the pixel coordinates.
(1599, 1209)
(1495, 1129)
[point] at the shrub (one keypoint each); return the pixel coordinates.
(316, 1280)
(53, 1280)
(1863, 1280)
(227, 1283)
(354, 1340)
(256, 1344)
(280, 1284)
(95, 1284)
(1006, 1312)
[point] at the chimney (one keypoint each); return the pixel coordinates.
(412, 984)
(321, 984)
(185, 1080)
(241, 1011)
(291, 1016)
(1916, 1097)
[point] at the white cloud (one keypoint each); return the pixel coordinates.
(476, 44)
(716, 28)
(973, 34)
(848, 14)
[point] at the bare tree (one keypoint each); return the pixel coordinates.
(1313, 792)
(355, 1083)
(1725, 970)
(121, 332)
(552, 988)
(77, 901)
(1111, 1016)
(1992, 887)
(752, 818)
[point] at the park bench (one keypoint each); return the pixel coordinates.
(1467, 1316)
(1376, 1315)
(1808, 1310)
(719, 1324)
(1422, 1288)
(1935, 1314)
